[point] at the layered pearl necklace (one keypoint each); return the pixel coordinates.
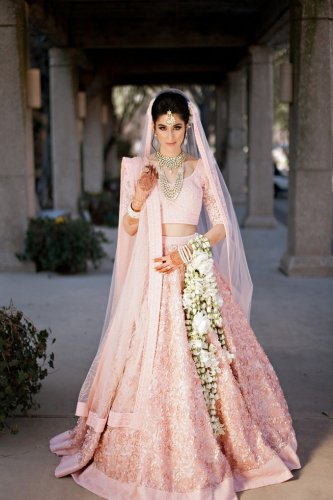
(171, 190)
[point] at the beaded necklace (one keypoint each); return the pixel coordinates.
(170, 162)
(171, 190)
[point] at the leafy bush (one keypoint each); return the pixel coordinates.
(22, 360)
(62, 245)
(103, 207)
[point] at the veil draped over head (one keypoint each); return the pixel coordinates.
(135, 292)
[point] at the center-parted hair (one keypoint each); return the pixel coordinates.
(172, 101)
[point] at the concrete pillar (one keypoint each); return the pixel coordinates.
(17, 189)
(112, 162)
(310, 179)
(220, 124)
(65, 149)
(260, 126)
(236, 136)
(93, 163)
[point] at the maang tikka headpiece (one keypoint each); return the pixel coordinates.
(170, 118)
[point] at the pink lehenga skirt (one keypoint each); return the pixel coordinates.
(175, 455)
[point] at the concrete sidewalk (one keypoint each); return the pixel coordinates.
(292, 318)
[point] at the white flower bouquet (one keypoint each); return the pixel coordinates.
(202, 305)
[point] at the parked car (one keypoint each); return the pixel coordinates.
(280, 168)
(280, 181)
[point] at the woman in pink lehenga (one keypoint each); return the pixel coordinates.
(180, 402)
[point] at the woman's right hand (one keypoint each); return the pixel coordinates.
(145, 185)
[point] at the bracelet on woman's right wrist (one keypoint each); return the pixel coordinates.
(133, 213)
(136, 209)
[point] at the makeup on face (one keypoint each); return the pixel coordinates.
(170, 137)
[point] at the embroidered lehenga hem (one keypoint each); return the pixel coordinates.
(95, 481)
(275, 471)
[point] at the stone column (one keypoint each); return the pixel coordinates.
(220, 124)
(236, 136)
(260, 126)
(17, 186)
(310, 179)
(112, 163)
(93, 164)
(65, 149)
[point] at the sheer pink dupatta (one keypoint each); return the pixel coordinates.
(228, 254)
(133, 276)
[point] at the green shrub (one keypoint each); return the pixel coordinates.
(103, 207)
(22, 360)
(62, 245)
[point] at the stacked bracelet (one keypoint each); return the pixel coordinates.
(185, 253)
(132, 213)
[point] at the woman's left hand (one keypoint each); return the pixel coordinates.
(169, 262)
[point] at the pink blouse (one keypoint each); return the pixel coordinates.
(186, 208)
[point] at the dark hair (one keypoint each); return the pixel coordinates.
(173, 101)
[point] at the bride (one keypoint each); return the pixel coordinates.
(181, 401)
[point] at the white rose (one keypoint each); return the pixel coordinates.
(205, 266)
(210, 276)
(199, 255)
(201, 323)
(198, 258)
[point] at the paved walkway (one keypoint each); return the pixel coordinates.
(292, 318)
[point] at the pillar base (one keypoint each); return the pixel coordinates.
(13, 265)
(259, 221)
(307, 265)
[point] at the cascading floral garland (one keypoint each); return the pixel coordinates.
(202, 304)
